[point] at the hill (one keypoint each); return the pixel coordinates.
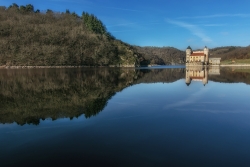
(34, 38)
(231, 52)
(162, 55)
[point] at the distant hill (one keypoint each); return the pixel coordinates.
(162, 55)
(231, 52)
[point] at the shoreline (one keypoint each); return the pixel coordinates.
(234, 65)
(34, 67)
(112, 66)
(40, 67)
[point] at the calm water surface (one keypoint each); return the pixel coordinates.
(164, 116)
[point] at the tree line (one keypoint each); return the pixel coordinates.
(231, 52)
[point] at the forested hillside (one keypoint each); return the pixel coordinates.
(231, 52)
(34, 38)
(162, 55)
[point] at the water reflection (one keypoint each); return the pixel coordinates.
(28, 96)
(200, 73)
(144, 121)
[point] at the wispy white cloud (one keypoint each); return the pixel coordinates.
(224, 33)
(214, 25)
(194, 29)
(215, 16)
(190, 40)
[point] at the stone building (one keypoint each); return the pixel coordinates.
(200, 57)
(214, 61)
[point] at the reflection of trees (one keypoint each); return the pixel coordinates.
(232, 75)
(28, 95)
(95, 106)
(224, 75)
(161, 75)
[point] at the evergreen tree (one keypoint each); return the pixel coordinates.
(75, 15)
(29, 8)
(14, 5)
(67, 11)
(49, 11)
(22, 9)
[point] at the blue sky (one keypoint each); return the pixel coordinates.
(164, 23)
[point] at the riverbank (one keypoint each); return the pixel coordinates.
(234, 65)
(123, 66)
(31, 67)
(222, 65)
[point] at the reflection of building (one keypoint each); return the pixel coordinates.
(214, 61)
(214, 70)
(196, 73)
(200, 57)
(200, 73)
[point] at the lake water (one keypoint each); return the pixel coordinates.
(160, 116)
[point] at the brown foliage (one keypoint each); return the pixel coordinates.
(47, 39)
(162, 55)
(231, 52)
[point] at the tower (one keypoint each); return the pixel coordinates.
(206, 52)
(188, 54)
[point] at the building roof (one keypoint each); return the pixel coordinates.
(189, 47)
(197, 54)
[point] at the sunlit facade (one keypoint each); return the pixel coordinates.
(200, 57)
